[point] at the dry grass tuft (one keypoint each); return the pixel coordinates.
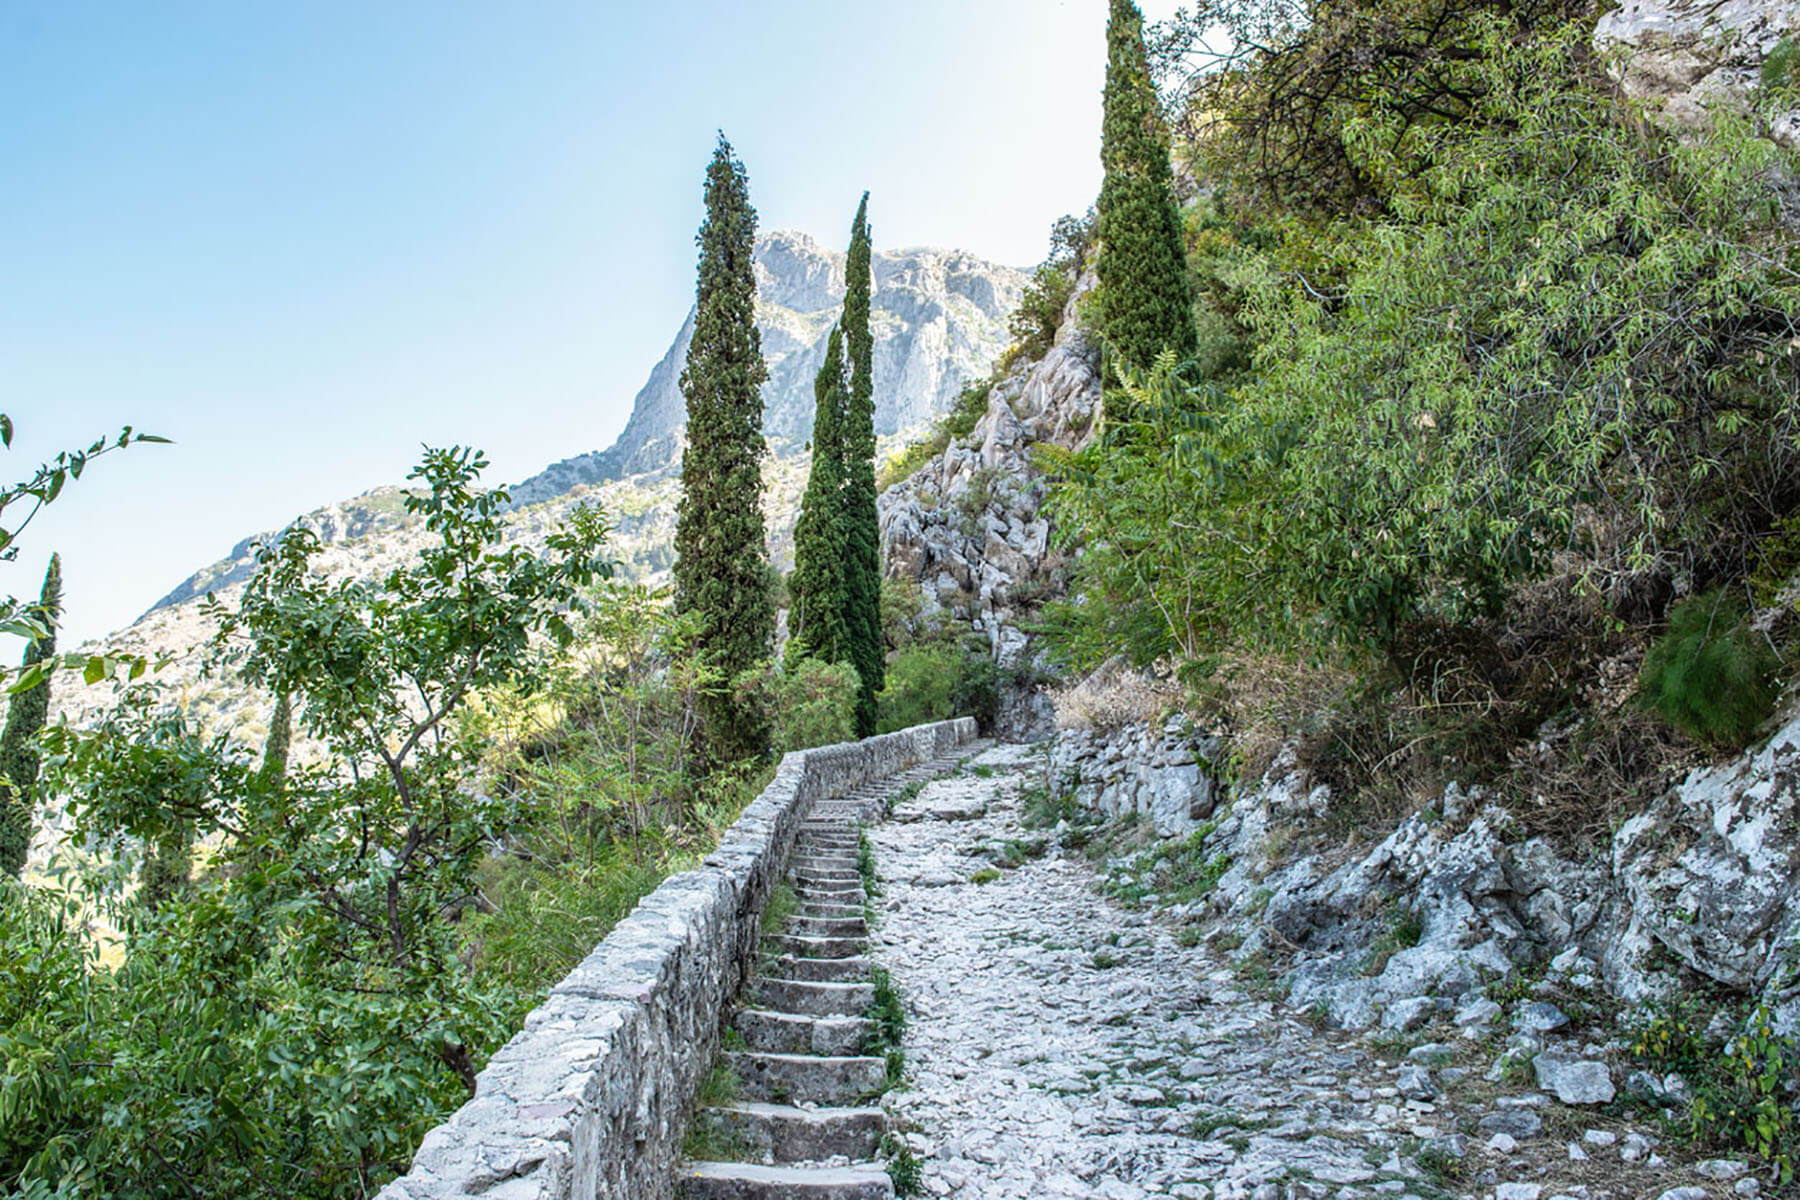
(1113, 696)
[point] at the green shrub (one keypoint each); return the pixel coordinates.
(936, 682)
(1710, 675)
(813, 703)
(1742, 1099)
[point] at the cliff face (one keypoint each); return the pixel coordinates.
(968, 526)
(939, 320)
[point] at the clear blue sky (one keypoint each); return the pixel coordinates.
(301, 238)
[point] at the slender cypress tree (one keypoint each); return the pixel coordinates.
(275, 748)
(816, 615)
(18, 741)
(1145, 297)
(722, 565)
(862, 524)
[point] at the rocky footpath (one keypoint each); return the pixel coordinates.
(1062, 1045)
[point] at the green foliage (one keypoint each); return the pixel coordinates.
(25, 717)
(814, 704)
(934, 682)
(985, 875)
(1710, 675)
(818, 595)
(1144, 300)
(862, 526)
(1570, 336)
(970, 405)
(1742, 1095)
(887, 1016)
(865, 865)
(721, 567)
(903, 1168)
(297, 1021)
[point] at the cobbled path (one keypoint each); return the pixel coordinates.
(1061, 1046)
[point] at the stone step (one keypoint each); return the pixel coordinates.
(817, 947)
(821, 970)
(824, 891)
(828, 926)
(746, 1181)
(825, 909)
(796, 1135)
(824, 880)
(825, 863)
(769, 1032)
(806, 1078)
(813, 998)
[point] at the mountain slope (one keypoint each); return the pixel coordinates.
(939, 319)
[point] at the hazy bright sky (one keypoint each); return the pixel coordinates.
(302, 238)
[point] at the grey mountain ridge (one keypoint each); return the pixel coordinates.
(939, 319)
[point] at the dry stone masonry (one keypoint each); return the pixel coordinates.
(805, 1124)
(592, 1097)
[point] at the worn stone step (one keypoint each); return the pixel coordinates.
(823, 970)
(824, 891)
(809, 873)
(824, 863)
(828, 926)
(814, 998)
(806, 1078)
(797, 1135)
(770, 1032)
(810, 908)
(817, 947)
(746, 1181)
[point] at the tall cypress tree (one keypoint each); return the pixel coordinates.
(1145, 297)
(816, 615)
(18, 741)
(862, 525)
(722, 565)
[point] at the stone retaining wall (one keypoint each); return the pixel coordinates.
(1160, 772)
(592, 1097)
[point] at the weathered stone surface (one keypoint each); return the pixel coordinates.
(1162, 773)
(592, 1097)
(1687, 56)
(1574, 1081)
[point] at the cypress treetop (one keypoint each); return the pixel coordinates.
(722, 567)
(862, 524)
(1145, 297)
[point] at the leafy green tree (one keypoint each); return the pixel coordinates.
(722, 566)
(301, 1017)
(24, 721)
(862, 522)
(817, 625)
(1145, 299)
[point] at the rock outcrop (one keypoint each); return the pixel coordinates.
(1687, 56)
(1160, 772)
(1703, 885)
(968, 526)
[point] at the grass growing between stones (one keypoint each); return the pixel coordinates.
(902, 1166)
(710, 1138)
(1175, 872)
(782, 905)
(985, 875)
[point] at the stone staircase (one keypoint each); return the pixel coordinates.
(806, 1120)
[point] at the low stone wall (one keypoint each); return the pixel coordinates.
(1159, 772)
(592, 1097)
